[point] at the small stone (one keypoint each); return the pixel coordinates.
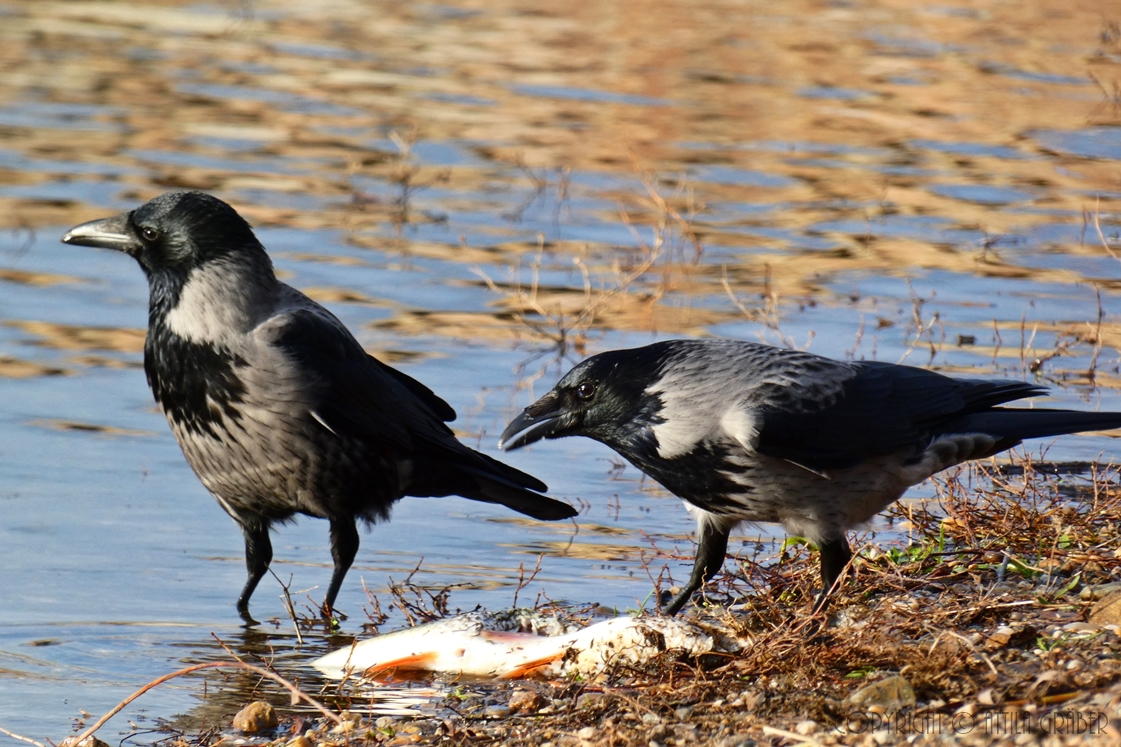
(1000, 637)
(525, 700)
(1107, 610)
(588, 733)
(1081, 627)
(301, 741)
(1050, 564)
(1090, 593)
(256, 717)
(806, 728)
(350, 721)
(588, 700)
(683, 713)
(403, 740)
(892, 694)
(498, 710)
(651, 718)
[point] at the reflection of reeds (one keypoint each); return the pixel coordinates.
(615, 291)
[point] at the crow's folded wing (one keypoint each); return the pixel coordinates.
(351, 392)
(880, 409)
(354, 394)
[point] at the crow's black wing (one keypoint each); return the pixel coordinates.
(882, 409)
(439, 407)
(352, 393)
(355, 395)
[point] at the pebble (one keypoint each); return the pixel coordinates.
(588, 700)
(588, 733)
(524, 700)
(1090, 593)
(301, 741)
(891, 693)
(1000, 637)
(806, 728)
(1107, 610)
(498, 710)
(349, 722)
(1081, 627)
(256, 717)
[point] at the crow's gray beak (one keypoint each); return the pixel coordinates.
(539, 420)
(107, 233)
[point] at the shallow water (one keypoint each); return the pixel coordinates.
(459, 183)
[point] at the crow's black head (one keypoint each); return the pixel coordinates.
(604, 398)
(176, 232)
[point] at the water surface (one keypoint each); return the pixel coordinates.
(468, 186)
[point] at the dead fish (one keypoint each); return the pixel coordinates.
(470, 645)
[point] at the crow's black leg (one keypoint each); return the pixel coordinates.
(344, 546)
(835, 555)
(258, 555)
(712, 545)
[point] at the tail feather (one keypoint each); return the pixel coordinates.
(494, 489)
(1019, 424)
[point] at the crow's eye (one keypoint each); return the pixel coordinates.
(586, 390)
(149, 233)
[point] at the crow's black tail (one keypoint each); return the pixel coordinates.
(501, 483)
(1018, 424)
(476, 476)
(494, 489)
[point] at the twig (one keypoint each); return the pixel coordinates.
(287, 597)
(21, 738)
(1098, 228)
(295, 691)
(771, 731)
(523, 581)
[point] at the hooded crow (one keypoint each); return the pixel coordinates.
(276, 406)
(748, 432)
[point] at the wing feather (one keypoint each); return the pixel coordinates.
(881, 408)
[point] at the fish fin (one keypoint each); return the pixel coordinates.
(530, 668)
(422, 661)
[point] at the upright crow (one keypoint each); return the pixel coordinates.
(747, 432)
(276, 406)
